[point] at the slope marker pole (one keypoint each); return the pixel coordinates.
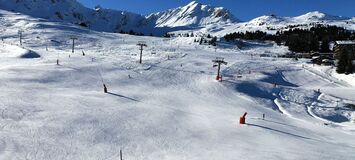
(141, 44)
(73, 38)
(20, 32)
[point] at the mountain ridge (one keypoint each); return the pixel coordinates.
(192, 15)
(189, 17)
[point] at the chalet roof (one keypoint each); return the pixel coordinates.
(345, 42)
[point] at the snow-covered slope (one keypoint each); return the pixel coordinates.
(168, 108)
(194, 14)
(73, 12)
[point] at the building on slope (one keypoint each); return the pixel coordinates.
(347, 47)
(344, 52)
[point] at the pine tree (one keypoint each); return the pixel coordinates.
(213, 41)
(131, 32)
(166, 35)
(325, 46)
(314, 45)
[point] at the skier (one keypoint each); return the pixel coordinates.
(263, 116)
(105, 88)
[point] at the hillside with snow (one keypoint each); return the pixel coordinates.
(170, 107)
(73, 12)
(273, 23)
(193, 17)
(100, 19)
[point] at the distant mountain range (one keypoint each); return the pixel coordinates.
(192, 17)
(273, 23)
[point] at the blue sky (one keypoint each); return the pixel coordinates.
(242, 9)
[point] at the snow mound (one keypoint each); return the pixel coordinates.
(30, 54)
(12, 51)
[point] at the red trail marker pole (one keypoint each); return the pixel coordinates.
(242, 119)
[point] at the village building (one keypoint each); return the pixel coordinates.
(344, 52)
(344, 47)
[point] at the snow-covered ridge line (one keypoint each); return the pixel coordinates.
(196, 16)
(192, 15)
(273, 23)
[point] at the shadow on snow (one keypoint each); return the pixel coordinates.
(122, 96)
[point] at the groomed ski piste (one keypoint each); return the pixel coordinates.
(170, 107)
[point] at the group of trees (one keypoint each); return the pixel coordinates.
(131, 32)
(186, 35)
(314, 39)
(257, 35)
(304, 41)
(209, 40)
(179, 35)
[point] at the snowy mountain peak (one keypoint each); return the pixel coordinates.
(192, 3)
(73, 12)
(266, 20)
(193, 14)
(316, 15)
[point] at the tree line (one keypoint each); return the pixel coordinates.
(132, 32)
